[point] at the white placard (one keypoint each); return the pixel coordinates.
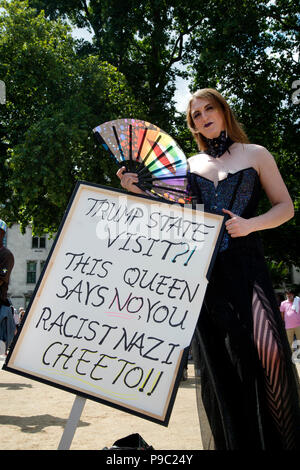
(119, 300)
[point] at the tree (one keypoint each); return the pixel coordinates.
(54, 99)
(143, 39)
(246, 49)
(251, 55)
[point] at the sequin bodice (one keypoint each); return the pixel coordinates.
(238, 192)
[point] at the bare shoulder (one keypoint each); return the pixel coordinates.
(258, 156)
(197, 162)
(191, 159)
(199, 156)
(254, 149)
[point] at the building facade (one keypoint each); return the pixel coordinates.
(30, 255)
(295, 275)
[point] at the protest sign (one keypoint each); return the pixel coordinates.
(118, 301)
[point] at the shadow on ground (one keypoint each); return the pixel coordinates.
(189, 383)
(34, 424)
(15, 386)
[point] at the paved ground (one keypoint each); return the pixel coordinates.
(33, 417)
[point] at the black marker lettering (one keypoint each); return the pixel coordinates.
(65, 325)
(92, 330)
(98, 364)
(58, 322)
(66, 288)
(173, 346)
(46, 351)
(110, 241)
(67, 356)
(150, 307)
(81, 359)
(109, 328)
(181, 322)
(84, 320)
(91, 273)
(123, 368)
(140, 374)
(146, 380)
(45, 316)
(131, 276)
(159, 342)
(157, 379)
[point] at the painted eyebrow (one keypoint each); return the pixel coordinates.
(198, 110)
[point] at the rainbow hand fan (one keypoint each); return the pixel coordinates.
(147, 150)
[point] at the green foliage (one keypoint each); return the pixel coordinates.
(54, 100)
(58, 89)
(143, 39)
(279, 272)
(251, 55)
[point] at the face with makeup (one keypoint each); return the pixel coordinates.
(207, 117)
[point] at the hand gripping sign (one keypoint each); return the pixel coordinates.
(118, 301)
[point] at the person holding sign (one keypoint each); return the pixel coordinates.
(247, 389)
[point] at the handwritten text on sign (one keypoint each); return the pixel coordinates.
(119, 300)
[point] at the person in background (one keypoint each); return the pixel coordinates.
(290, 309)
(21, 313)
(7, 323)
(16, 317)
(279, 298)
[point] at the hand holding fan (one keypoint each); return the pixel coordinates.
(148, 151)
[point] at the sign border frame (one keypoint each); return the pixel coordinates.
(173, 392)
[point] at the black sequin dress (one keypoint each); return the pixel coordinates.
(247, 385)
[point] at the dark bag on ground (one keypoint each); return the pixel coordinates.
(131, 442)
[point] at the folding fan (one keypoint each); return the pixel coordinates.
(148, 151)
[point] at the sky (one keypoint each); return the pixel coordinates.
(182, 92)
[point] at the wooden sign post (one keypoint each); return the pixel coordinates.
(118, 300)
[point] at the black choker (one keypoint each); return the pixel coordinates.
(217, 146)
